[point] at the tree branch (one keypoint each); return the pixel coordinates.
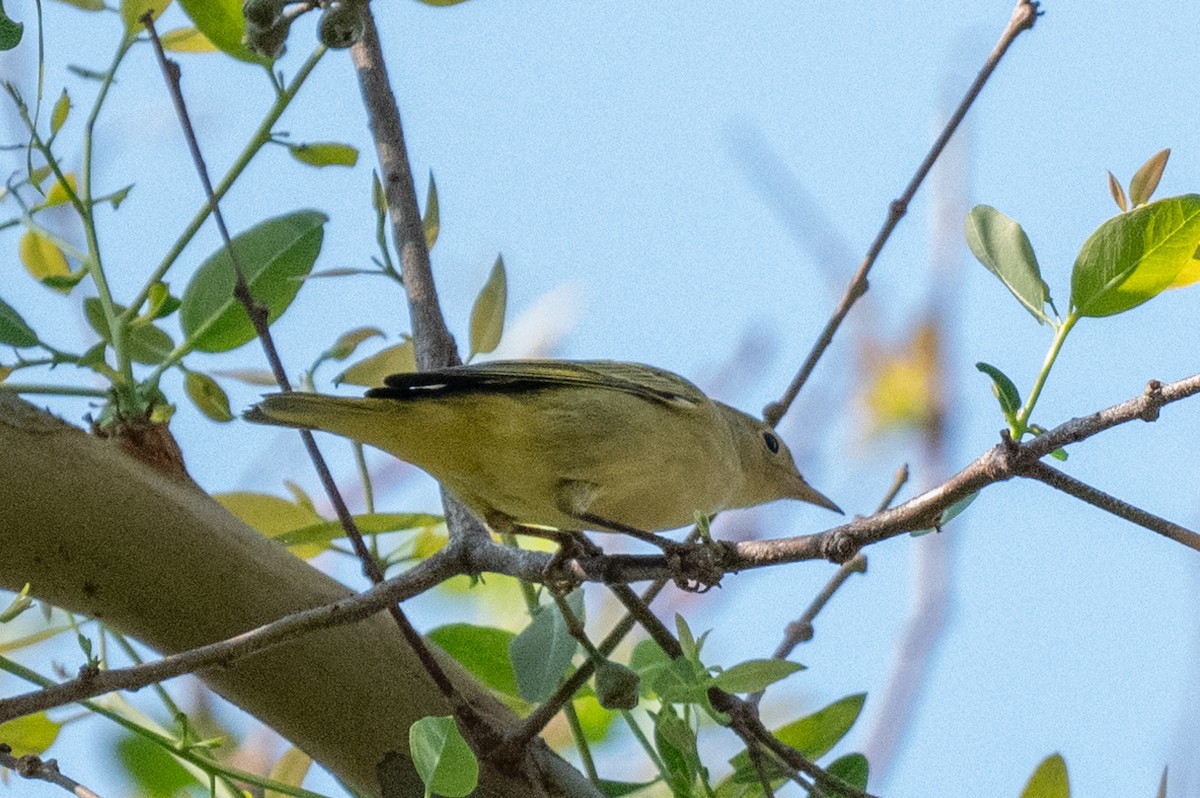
(1024, 15)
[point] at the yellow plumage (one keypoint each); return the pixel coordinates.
(567, 445)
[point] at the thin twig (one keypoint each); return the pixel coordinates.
(1023, 17)
(36, 769)
(259, 318)
(432, 342)
(353, 608)
(1110, 504)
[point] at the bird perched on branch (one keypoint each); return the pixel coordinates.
(564, 445)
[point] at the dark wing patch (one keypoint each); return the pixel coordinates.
(525, 376)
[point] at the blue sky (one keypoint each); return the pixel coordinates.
(614, 154)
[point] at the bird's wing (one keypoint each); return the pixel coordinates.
(516, 376)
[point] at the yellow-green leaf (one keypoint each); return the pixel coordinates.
(291, 769)
(1188, 274)
(349, 341)
(86, 5)
(398, 359)
(42, 258)
(1133, 257)
(273, 516)
(222, 23)
(433, 217)
(324, 153)
(58, 116)
(132, 11)
(58, 194)
(208, 396)
(31, 734)
(187, 40)
(487, 316)
(1049, 780)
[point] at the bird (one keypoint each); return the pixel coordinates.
(566, 445)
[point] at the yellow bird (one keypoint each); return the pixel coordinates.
(565, 445)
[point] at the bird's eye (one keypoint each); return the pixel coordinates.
(772, 442)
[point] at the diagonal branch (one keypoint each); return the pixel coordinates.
(1024, 15)
(1098, 498)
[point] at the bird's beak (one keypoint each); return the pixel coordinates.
(807, 493)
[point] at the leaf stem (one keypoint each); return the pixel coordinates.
(1060, 336)
(116, 323)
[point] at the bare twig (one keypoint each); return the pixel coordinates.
(224, 653)
(1023, 17)
(432, 342)
(259, 318)
(1097, 498)
(37, 769)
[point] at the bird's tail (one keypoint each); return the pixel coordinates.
(359, 419)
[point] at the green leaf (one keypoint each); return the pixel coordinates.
(10, 31)
(31, 734)
(144, 343)
(378, 198)
(945, 516)
(222, 23)
(208, 396)
(1001, 245)
(754, 675)
(1004, 390)
(132, 11)
(159, 302)
(487, 316)
(683, 681)
(349, 341)
(619, 789)
(58, 116)
(852, 769)
(86, 5)
(1135, 256)
(648, 661)
(542, 652)
(1049, 780)
(324, 153)
(432, 219)
(813, 736)
(367, 523)
(274, 256)
(154, 771)
(482, 650)
(13, 329)
(368, 373)
(687, 641)
(442, 758)
(1145, 180)
(1118, 193)
(676, 743)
